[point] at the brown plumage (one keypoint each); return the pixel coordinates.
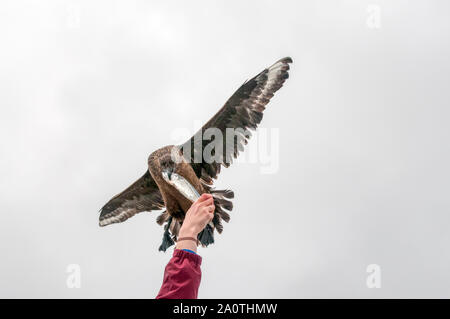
(244, 110)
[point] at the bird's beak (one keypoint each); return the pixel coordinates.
(167, 174)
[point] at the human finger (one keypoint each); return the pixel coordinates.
(207, 202)
(204, 197)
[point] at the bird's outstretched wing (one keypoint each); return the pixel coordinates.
(243, 110)
(142, 195)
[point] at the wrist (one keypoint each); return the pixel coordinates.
(187, 232)
(187, 243)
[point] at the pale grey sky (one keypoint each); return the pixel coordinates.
(90, 88)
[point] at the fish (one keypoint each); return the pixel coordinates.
(182, 185)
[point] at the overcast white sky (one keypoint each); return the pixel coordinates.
(88, 89)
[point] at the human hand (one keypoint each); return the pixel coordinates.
(197, 217)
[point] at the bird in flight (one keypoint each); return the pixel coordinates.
(178, 174)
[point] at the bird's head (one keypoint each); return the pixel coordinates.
(167, 167)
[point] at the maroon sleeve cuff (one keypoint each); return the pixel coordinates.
(196, 259)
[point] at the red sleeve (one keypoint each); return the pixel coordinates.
(181, 277)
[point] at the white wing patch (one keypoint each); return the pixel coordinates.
(124, 213)
(273, 78)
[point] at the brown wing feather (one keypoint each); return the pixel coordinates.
(142, 195)
(244, 109)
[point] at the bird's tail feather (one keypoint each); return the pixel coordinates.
(206, 236)
(162, 217)
(223, 205)
(167, 238)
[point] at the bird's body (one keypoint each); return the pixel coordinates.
(176, 176)
(174, 201)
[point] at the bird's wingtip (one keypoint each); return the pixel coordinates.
(287, 59)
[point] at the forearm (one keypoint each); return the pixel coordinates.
(182, 274)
